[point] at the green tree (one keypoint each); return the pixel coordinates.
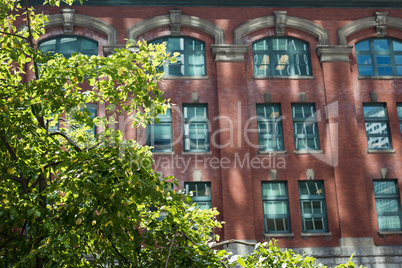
(68, 199)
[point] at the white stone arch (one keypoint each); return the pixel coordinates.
(380, 21)
(280, 21)
(175, 20)
(68, 19)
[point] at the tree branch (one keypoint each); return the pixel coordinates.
(9, 148)
(16, 35)
(233, 241)
(96, 145)
(78, 149)
(170, 250)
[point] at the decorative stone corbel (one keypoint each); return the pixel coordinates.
(273, 175)
(384, 173)
(68, 20)
(175, 21)
(267, 97)
(310, 174)
(197, 175)
(195, 97)
(280, 22)
(373, 97)
(381, 19)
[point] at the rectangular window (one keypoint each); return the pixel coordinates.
(305, 126)
(387, 202)
(312, 205)
(275, 202)
(376, 123)
(200, 193)
(159, 135)
(399, 109)
(195, 124)
(269, 123)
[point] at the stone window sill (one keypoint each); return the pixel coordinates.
(196, 153)
(185, 77)
(272, 152)
(327, 235)
(269, 236)
(383, 234)
(162, 153)
(308, 151)
(379, 151)
(372, 77)
(284, 77)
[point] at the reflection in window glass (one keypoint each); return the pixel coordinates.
(67, 45)
(269, 123)
(313, 207)
(275, 207)
(387, 202)
(281, 56)
(200, 193)
(190, 62)
(376, 124)
(379, 57)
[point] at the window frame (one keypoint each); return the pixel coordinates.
(195, 120)
(164, 120)
(310, 120)
(273, 54)
(199, 199)
(373, 54)
(186, 52)
(395, 196)
(268, 121)
(368, 120)
(276, 198)
(312, 198)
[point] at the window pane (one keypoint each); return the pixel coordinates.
(280, 44)
(363, 46)
(274, 189)
(364, 59)
(377, 111)
(389, 222)
(68, 45)
(397, 46)
(387, 205)
(398, 60)
(366, 70)
(376, 128)
(381, 44)
(383, 60)
(386, 70)
(384, 187)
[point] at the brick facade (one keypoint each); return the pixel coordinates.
(231, 92)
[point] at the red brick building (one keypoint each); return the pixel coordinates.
(287, 116)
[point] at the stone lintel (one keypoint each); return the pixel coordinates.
(356, 241)
(331, 53)
(229, 53)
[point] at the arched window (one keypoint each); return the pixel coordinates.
(379, 57)
(190, 62)
(67, 45)
(281, 56)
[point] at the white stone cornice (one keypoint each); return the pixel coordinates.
(334, 53)
(229, 53)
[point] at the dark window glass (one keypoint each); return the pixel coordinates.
(200, 193)
(190, 62)
(313, 207)
(67, 45)
(269, 124)
(159, 135)
(281, 56)
(305, 126)
(195, 123)
(387, 202)
(275, 203)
